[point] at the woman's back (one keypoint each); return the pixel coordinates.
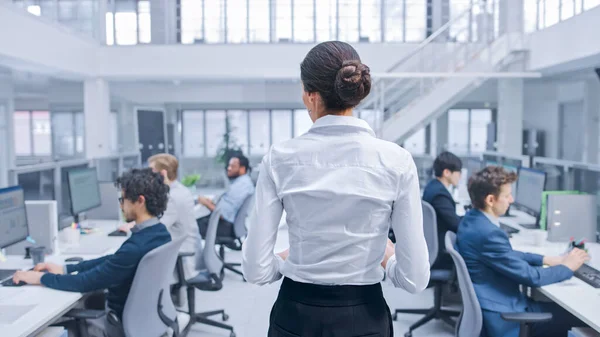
(338, 184)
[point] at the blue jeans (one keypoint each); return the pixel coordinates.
(561, 322)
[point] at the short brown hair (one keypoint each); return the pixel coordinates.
(167, 162)
(488, 181)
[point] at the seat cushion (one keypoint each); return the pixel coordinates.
(204, 281)
(440, 275)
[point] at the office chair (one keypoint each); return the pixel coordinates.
(149, 310)
(207, 279)
(470, 321)
(240, 231)
(439, 277)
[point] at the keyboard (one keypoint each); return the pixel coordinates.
(508, 229)
(588, 275)
(10, 313)
(6, 273)
(117, 233)
(9, 283)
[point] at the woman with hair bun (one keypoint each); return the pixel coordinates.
(342, 189)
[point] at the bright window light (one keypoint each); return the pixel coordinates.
(35, 10)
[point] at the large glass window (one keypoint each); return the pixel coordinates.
(480, 119)
(260, 29)
(530, 10)
(417, 143)
(126, 28)
(283, 20)
(416, 23)
(304, 16)
(551, 11)
(42, 138)
(79, 133)
(348, 16)
(22, 133)
(589, 4)
(281, 125)
(302, 122)
(326, 20)
(370, 21)
(238, 122)
(193, 133)
(260, 141)
(215, 129)
(214, 21)
(237, 16)
(458, 131)
(394, 21)
(192, 12)
(145, 29)
(63, 125)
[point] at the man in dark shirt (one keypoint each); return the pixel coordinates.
(143, 199)
(447, 169)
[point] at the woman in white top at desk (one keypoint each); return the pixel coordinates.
(341, 188)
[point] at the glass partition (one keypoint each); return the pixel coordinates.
(587, 179)
(108, 169)
(38, 185)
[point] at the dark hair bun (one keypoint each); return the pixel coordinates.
(352, 83)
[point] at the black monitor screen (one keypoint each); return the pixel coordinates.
(13, 217)
(530, 185)
(83, 190)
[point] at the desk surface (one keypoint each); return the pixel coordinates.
(573, 295)
(49, 304)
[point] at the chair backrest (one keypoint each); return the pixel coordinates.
(470, 321)
(430, 230)
(208, 257)
(140, 316)
(239, 225)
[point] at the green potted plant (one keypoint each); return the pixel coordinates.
(190, 181)
(228, 146)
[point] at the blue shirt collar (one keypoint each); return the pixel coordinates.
(150, 222)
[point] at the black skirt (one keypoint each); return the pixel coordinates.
(308, 310)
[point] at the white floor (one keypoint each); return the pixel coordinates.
(248, 306)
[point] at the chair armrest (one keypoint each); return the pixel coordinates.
(85, 313)
(526, 317)
(186, 254)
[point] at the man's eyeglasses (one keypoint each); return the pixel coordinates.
(121, 200)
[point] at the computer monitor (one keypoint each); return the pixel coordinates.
(530, 185)
(514, 169)
(83, 190)
(13, 216)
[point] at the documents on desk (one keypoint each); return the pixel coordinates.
(574, 295)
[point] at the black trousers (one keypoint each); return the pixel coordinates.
(224, 228)
(308, 310)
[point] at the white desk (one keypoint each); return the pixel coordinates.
(99, 239)
(49, 304)
(573, 295)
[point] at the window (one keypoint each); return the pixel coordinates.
(260, 28)
(192, 12)
(281, 125)
(42, 141)
(114, 132)
(416, 18)
(460, 29)
(417, 143)
(530, 13)
(145, 32)
(193, 133)
(480, 119)
(238, 122)
(236, 21)
(260, 141)
(110, 29)
(589, 4)
(79, 133)
(283, 20)
(551, 12)
(215, 129)
(458, 131)
(22, 133)
(370, 21)
(63, 125)
(35, 10)
(326, 21)
(304, 16)
(348, 16)
(126, 28)
(371, 117)
(302, 122)
(214, 21)
(394, 21)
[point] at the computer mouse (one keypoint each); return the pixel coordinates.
(74, 259)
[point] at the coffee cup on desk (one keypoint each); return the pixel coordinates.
(38, 254)
(540, 237)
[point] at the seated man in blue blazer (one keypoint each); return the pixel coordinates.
(447, 169)
(497, 270)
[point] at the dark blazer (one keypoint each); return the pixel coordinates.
(437, 195)
(113, 272)
(497, 270)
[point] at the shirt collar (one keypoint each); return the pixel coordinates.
(492, 218)
(332, 120)
(150, 222)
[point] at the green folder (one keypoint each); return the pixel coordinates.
(544, 210)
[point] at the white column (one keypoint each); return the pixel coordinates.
(511, 102)
(441, 137)
(511, 16)
(164, 21)
(96, 108)
(440, 14)
(7, 157)
(100, 26)
(592, 121)
(128, 128)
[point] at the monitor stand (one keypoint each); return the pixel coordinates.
(529, 225)
(508, 215)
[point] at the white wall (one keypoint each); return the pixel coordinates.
(571, 44)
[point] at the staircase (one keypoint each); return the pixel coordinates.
(447, 66)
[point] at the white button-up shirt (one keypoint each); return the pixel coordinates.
(341, 187)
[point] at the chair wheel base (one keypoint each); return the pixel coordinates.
(225, 317)
(408, 334)
(232, 334)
